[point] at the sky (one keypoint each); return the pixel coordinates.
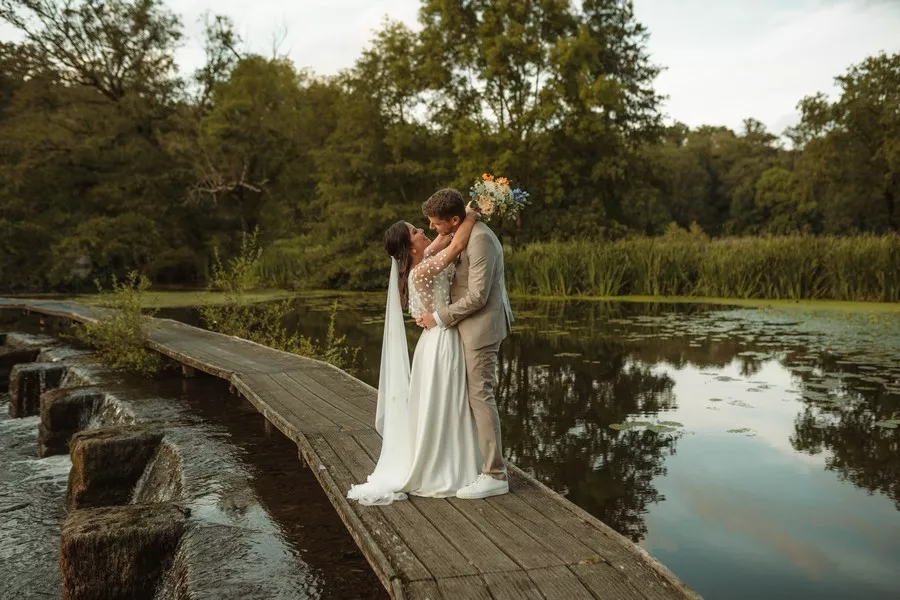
(725, 60)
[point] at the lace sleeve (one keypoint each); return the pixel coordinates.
(425, 272)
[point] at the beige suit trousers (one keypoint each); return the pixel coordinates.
(481, 365)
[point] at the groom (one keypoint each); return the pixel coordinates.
(480, 310)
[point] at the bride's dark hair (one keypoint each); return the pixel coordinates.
(399, 245)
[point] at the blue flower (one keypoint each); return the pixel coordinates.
(520, 196)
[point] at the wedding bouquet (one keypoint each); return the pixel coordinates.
(494, 197)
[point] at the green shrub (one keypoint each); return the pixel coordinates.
(264, 322)
(122, 328)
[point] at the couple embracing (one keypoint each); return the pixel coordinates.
(438, 419)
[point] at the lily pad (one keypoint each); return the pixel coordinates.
(888, 424)
(740, 403)
(740, 430)
(567, 354)
(661, 428)
(629, 425)
(671, 423)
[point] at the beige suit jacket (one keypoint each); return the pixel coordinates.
(479, 306)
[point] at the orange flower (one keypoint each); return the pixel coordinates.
(487, 176)
(503, 181)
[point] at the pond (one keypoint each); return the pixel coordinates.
(754, 452)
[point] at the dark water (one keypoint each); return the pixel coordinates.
(244, 482)
(329, 564)
(32, 509)
(752, 451)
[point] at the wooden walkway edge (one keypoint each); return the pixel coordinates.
(530, 543)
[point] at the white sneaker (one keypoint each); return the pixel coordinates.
(484, 486)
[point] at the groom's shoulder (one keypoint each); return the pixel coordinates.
(481, 228)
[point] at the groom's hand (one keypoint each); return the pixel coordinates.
(426, 320)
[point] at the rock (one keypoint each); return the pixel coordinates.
(120, 552)
(64, 412)
(10, 357)
(26, 384)
(16, 339)
(162, 479)
(107, 463)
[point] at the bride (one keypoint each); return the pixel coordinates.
(429, 443)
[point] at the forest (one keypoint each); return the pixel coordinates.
(113, 160)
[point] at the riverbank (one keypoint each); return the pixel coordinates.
(194, 298)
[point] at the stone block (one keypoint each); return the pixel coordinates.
(107, 463)
(65, 412)
(120, 552)
(26, 384)
(10, 357)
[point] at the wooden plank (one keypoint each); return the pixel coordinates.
(313, 388)
(218, 370)
(440, 557)
(340, 382)
(605, 581)
(512, 586)
(244, 358)
(247, 354)
(361, 396)
(300, 416)
(559, 583)
(553, 537)
(351, 386)
(383, 547)
(312, 403)
(505, 533)
(476, 547)
(618, 552)
(464, 588)
(423, 590)
(197, 353)
(280, 417)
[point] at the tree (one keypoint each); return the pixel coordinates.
(850, 162)
(115, 46)
(554, 97)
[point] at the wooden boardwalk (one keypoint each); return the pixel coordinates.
(530, 543)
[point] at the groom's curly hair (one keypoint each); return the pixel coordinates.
(445, 204)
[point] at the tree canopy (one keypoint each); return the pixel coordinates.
(108, 152)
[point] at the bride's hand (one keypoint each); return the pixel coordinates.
(472, 211)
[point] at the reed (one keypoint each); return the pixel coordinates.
(860, 268)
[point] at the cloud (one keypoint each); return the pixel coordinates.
(325, 36)
(728, 61)
(725, 60)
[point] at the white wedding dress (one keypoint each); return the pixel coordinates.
(429, 444)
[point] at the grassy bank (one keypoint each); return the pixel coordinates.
(862, 268)
(182, 298)
(176, 299)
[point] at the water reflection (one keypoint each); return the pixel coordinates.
(556, 413)
(778, 473)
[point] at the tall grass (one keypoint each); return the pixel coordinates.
(863, 268)
(263, 323)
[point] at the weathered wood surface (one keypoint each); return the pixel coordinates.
(530, 543)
